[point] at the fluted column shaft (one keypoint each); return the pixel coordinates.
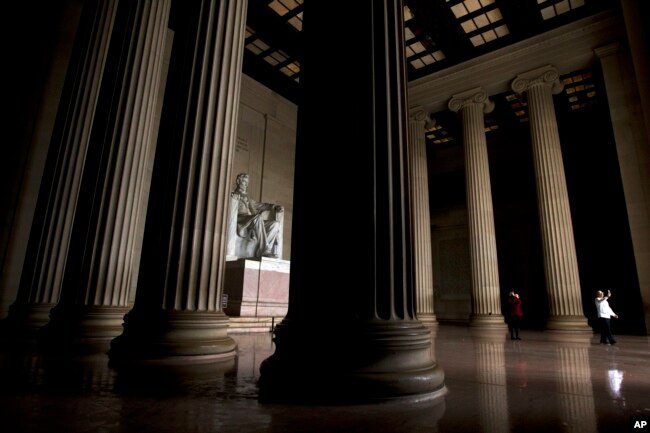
(423, 265)
(177, 310)
(486, 303)
(96, 283)
(354, 339)
(633, 151)
(638, 41)
(560, 262)
(47, 252)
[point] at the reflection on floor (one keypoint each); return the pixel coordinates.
(538, 384)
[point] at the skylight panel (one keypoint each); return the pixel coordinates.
(490, 124)
(428, 59)
(288, 7)
(580, 90)
(459, 10)
(417, 63)
(472, 5)
(417, 47)
(282, 7)
(469, 6)
(279, 8)
(271, 60)
(551, 9)
(481, 21)
(420, 50)
(477, 40)
(296, 21)
(481, 28)
(408, 15)
(489, 36)
(257, 46)
(518, 107)
(408, 33)
(562, 7)
(502, 31)
(437, 134)
(494, 15)
(294, 67)
(279, 56)
(291, 69)
(469, 26)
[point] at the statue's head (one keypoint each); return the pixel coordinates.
(242, 181)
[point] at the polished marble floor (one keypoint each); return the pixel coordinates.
(493, 384)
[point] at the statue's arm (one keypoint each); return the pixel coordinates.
(261, 207)
(273, 207)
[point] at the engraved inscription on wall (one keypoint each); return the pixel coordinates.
(241, 162)
(242, 145)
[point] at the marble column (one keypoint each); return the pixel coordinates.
(560, 262)
(423, 265)
(177, 313)
(486, 302)
(47, 250)
(638, 38)
(351, 332)
(99, 267)
(30, 131)
(633, 152)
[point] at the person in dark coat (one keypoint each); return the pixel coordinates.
(516, 313)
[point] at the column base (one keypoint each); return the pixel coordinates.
(428, 319)
(363, 363)
(87, 322)
(568, 324)
(79, 329)
(24, 321)
(176, 336)
(492, 321)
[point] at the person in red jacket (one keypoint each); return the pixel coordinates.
(516, 313)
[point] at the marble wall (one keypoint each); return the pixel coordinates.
(266, 142)
(451, 265)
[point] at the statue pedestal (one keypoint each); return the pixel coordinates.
(256, 288)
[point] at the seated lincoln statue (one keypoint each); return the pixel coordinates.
(254, 228)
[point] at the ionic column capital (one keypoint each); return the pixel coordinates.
(420, 115)
(544, 76)
(474, 96)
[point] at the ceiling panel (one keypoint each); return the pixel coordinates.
(438, 33)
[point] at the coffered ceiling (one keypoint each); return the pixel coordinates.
(438, 33)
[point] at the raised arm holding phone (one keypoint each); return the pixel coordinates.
(605, 313)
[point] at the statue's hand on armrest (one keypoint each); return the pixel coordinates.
(278, 208)
(234, 195)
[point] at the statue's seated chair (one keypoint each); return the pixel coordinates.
(239, 247)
